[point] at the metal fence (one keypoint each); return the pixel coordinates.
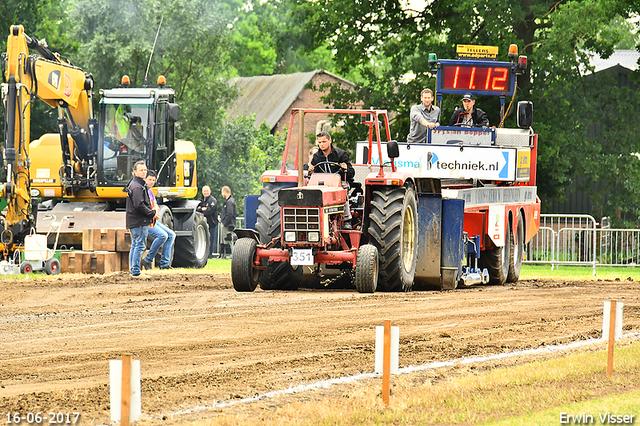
(577, 240)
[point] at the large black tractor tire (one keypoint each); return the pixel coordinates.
(517, 253)
(393, 230)
(367, 264)
(193, 250)
(243, 273)
(277, 275)
(268, 214)
(497, 260)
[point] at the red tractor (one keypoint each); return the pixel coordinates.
(300, 232)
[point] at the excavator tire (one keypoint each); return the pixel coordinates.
(393, 230)
(277, 275)
(517, 253)
(497, 260)
(243, 275)
(193, 250)
(366, 279)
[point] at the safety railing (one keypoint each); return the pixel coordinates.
(575, 240)
(564, 240)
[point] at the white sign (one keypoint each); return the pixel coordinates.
(606, 320)
(451, 161)
(395, 348)
(301, 257)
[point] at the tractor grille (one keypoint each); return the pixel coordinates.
(301, 219)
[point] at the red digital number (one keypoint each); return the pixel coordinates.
(500, 79)
(494, 79)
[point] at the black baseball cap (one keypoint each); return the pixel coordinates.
(468, 96)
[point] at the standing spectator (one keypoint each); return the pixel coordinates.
(162, 236)
(423, 116)
(228, 219)
(139, 216)
(209, 208)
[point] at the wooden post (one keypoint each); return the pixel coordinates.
(386, 363)
(126, 390)
(612, 338)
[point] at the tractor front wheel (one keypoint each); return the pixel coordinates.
(366, 280)
(243, 273)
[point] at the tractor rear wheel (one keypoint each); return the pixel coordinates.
(277, 275)
(193, 250)
(243, 273)
(497, 260)
(268, 214)
(366, 280)
(280, 276)
(517, 253)
(393, 230)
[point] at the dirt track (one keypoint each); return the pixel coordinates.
(199, 341)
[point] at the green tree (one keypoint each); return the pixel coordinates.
(268, 38)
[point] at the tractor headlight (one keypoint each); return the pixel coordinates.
(35, 192)
(290, 236)
(314, 237)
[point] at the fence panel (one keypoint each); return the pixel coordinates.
(618, 247)
(564, 240)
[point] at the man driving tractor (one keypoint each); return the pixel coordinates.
(330, 159)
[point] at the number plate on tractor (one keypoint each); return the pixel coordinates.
(301, 257)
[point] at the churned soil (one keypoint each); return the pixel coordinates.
(200, 342)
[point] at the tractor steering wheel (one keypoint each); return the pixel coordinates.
(327, 167)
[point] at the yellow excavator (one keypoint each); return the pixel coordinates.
(83, 170)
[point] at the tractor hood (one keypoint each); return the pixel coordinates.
(318, 196)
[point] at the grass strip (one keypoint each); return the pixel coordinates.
(534, 393)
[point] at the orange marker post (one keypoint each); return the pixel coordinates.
(612, 337)
(126, 390)
(386, 363)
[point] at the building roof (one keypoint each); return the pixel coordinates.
(270, 96)
(625, 58)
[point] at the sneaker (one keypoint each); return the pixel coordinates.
(141, 275)
(166, 267)
(146, 265)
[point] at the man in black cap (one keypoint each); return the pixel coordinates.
(469, 115)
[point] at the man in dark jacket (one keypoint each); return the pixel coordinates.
(469, 115)
(330, 159)
(209, 208)
(139, 216)
(228, 220)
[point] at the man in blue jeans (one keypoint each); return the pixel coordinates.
(161, 234)
(139, 216)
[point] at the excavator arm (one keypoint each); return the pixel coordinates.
(61, 85)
